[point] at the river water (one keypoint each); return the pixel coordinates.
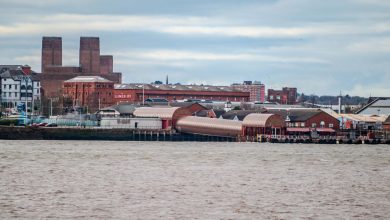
(165, 180)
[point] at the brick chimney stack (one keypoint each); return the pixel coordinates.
(51, 52)
(90, 55)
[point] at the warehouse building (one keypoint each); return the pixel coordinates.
(92, 92)
(209, 126)
(377, 106)
(168, 115)
(256, 124)
(136, 93)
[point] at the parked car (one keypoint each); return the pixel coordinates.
(42, 124)
(51, 125)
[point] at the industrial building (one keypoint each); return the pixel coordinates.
(362, 122)
(306, 118)
(136, 93)
(92, 92)
(256, 90)
(168, 115)
(132, 123)
(376, 106)
(256, 124)
(209, 126)
(286, 96)
(90, 63)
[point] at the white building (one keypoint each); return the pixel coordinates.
(132, 123)
(19, 85)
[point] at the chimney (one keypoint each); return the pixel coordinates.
(26, 69)
(340, 103)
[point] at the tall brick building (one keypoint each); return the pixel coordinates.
(256, 90)
(93, 92)
(51, 53)
(90, 63)
(286, 96)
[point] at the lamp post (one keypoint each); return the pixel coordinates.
(26, 79)
(1, 97)
(51, 106)
(143, 94)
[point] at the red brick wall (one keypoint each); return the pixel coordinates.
(89, 93)
(130, 95)
(106, 64)
(90, 55)
(287, 96)
(52, 82)
(328, 119)
(51, 52)
(62, 69)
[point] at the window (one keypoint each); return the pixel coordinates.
(9, 86)
(296, 124)
(16, 94)
(10, 94)
(16, 86)
(331, 125)
(303, 124)
(314, 125)
(4, 94)
(5, 86)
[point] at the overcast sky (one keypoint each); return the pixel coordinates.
(320, 47)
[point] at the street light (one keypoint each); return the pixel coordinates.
(25, 79)
(51, 106)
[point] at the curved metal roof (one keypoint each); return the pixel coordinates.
(209, 126)
(155, 112)
(263, 120)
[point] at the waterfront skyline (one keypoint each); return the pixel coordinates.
(319, 48)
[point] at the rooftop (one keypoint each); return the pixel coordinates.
(89, 79)
(378, 106)
(16, 74)
(176, 87)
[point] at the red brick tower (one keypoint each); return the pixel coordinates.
(90, 55)
(106, 63)
(51, 52)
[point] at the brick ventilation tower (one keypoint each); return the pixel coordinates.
(51, 52)
(90, 55)
(106, 64)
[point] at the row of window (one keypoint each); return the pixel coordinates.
(86, 93)
(23, 87)
(89, 86)
(271, 97)
(15, 94)
(302, 125)
(5, 79)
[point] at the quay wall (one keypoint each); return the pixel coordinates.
(116, 134)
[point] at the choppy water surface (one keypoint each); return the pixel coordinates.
(162, 180)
